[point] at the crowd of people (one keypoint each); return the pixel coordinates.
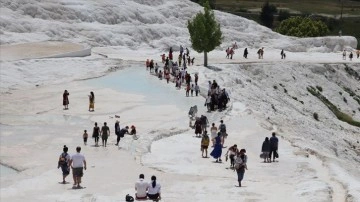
(217, 98)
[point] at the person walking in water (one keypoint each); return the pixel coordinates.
(78, 163)
(205, 140)
(66, 100)
(105, 133)
(96, 134)
(231, 153)
(274, 142)
(265, 149)
(63, 163)
(91, 102)
(216, 152)
(240, 165)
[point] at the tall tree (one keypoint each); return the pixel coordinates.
(267, 14)
(205, 33)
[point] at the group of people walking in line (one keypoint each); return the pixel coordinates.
(91, 101)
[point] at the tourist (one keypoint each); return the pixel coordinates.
(96, 134)
(274, 143)
(85, 137)
(63, 163)
(216, 152)
(197, 126)
(66, 100)
(197, 89)
(122, 133)
(213, 132)
(105, 133)
(240, 165)
(154, 189)
(222, 130)
(192, 89)
(141, 188)
(205, 144)
(344, 55)
(245, 53)
(91, 102)
(265, 149)
(78, 163)
(231, 153)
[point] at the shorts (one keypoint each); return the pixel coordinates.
(65, 169)
(78, 172)
(204, 147)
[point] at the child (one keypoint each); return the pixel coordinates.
(192, 89)
(192, 61)
(85, 137)
(204, 144)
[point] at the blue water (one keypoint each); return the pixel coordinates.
(136, 80)
(6, 171)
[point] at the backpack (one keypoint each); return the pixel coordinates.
(129, 198)
(63, 159)
(222, 128)
(205, 141)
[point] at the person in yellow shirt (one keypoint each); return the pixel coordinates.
(205, 140)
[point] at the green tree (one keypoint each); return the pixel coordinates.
(205, 33)
(267, 14)
(302, 27)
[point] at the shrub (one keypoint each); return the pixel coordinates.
(345, 100)
(319, 88)
(275, 87)
(316, 116)
(336, 111)
(285, 91)
(302, 27)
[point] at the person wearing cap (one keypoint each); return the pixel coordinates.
(122, 133)
(240, 165)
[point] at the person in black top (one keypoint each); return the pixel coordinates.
(96, 134)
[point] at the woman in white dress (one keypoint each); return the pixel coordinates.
(213, 131)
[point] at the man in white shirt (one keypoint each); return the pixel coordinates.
(77, 163)
(141, 187)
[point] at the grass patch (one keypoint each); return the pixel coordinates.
(340, 115)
